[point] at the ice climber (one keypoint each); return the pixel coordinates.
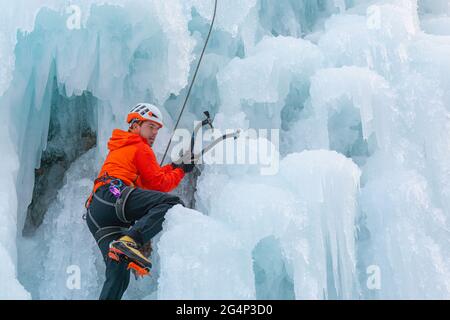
(130, 198)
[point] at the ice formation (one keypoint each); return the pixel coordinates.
(358, 89)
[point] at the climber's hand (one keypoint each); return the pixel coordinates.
(186, 167)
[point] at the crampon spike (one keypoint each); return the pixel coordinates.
(114, 250)
(113, 256)
(140, 271)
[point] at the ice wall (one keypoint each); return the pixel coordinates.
(8, 221)
(65, 242)
(112, 64)
(358, 88)
(210, 257)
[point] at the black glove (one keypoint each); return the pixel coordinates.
(186, 167)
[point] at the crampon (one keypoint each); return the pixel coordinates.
(138, 264)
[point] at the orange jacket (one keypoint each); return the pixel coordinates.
(132, 160)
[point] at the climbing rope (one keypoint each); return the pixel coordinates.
(192, 82)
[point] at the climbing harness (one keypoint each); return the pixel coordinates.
(114, 187)
(121, 192)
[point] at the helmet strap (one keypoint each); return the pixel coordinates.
(135, 120)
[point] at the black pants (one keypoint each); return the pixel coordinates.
(146, 210)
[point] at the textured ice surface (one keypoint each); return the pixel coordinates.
(359, 90)
(65, 242)
(316, 239)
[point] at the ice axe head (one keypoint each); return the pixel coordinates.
(208, 120)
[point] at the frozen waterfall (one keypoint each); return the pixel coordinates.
(358, 91)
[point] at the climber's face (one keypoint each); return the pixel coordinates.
(147, 130)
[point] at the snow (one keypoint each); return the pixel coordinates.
(359, 91)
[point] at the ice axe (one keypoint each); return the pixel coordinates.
(206, 122)
(190, 156)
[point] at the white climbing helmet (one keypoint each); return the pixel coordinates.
(145, 112)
